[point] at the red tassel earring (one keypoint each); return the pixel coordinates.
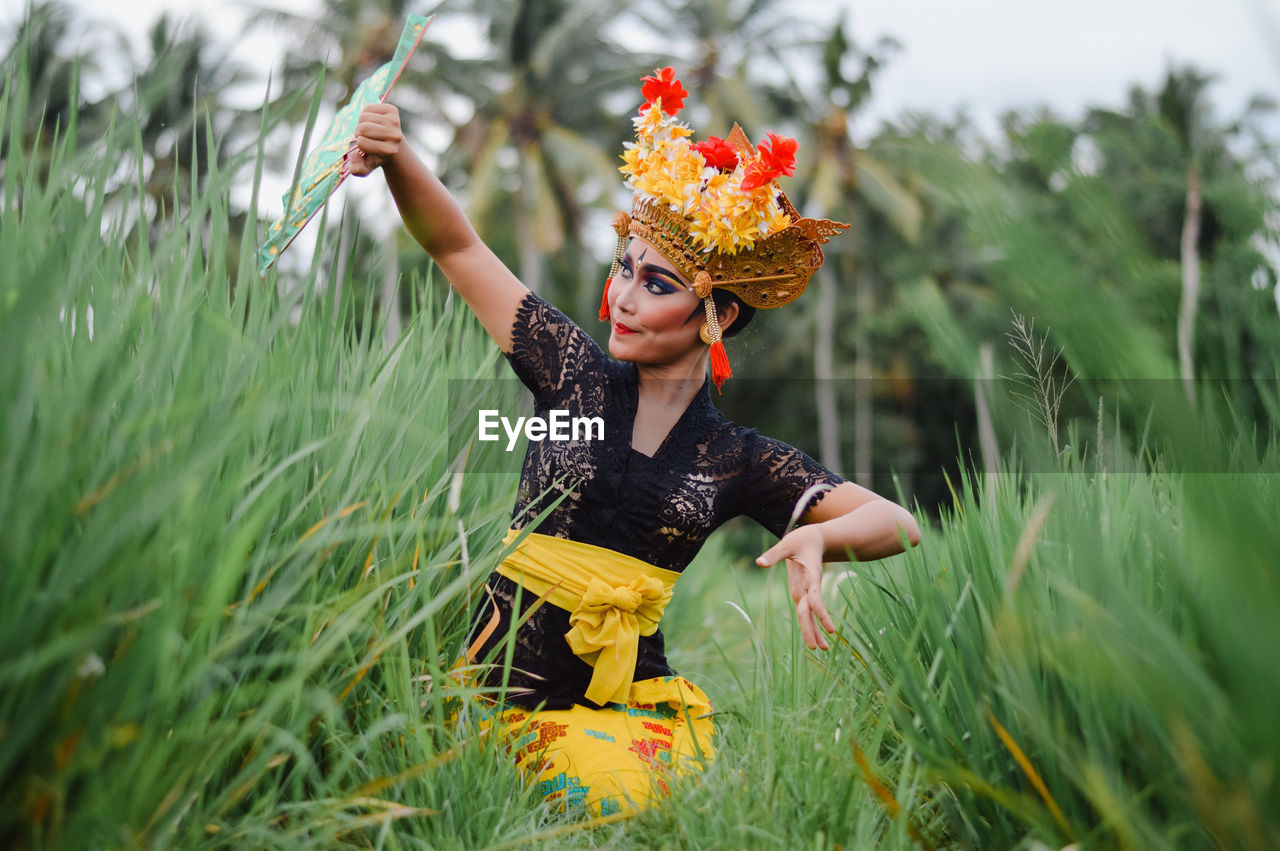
(604, 300)
(720, 371)
(710, 332)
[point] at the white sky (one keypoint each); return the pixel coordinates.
(993, 54)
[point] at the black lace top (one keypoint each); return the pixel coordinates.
(659, 509)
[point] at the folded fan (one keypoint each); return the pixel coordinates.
(326, 165)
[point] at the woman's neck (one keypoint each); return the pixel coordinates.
(673, 384)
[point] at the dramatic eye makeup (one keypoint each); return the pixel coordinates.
(660, 285)
(657, 279)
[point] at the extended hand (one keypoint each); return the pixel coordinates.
(378, 139)
(803, 548)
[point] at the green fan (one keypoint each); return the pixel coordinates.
(326, 165)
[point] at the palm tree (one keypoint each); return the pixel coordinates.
(1185, 176)
(349, 40)
(738, 56)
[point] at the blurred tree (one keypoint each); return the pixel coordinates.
(851, 183)
(178, 96)
(350, 40)
(866, 188)
(927, 389)
(531, 146)
(46, 45)
(539, 148)
(1181, 106)
(1083, 225)
(1193, 182)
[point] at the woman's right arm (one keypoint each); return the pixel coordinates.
(438, 223)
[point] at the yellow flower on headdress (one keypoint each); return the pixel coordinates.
(634, 159)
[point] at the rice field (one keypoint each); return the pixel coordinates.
(238, 556)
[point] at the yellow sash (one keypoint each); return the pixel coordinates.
(612, 600)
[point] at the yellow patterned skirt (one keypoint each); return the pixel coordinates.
(617, 759)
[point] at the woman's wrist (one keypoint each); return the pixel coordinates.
(395, 163)
(869, 532)
(813, 536)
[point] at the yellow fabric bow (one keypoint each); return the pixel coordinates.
(615, 616)
(612, 600)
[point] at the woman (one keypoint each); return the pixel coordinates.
(595, 712)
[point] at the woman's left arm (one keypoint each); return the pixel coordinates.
(849, 519)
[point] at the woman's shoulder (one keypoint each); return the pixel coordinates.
(548, 349)
(729, 434)
(535, 313)
(775, 475)
(731, 446)
(760, 454)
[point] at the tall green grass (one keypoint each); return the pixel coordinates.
(232, 569)
(1088, 656)
(235, 568)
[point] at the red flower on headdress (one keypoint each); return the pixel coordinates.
(664, 86)
(718, 153)
(776, 157)
(781, 154)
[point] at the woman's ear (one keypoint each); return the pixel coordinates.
(726, 315)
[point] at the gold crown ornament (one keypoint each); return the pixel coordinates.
(715, 210)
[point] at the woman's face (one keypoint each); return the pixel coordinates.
(652, 308)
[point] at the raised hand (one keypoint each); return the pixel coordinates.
(378, 138)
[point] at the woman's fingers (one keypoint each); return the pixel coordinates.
(797, 582)
(805, 613)
(805, 617)
(802, 550)
(819, 608)
(774, 554)
(792, 545)
(377, 138)
(380, 150)
(806, 591)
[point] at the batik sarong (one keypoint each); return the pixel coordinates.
(619, 758)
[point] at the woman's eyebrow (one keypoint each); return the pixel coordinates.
(655, 269)
(666, 273)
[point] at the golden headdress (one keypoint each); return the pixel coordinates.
(714, 209)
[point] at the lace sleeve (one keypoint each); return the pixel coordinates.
(779, 476)
(548, 349)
